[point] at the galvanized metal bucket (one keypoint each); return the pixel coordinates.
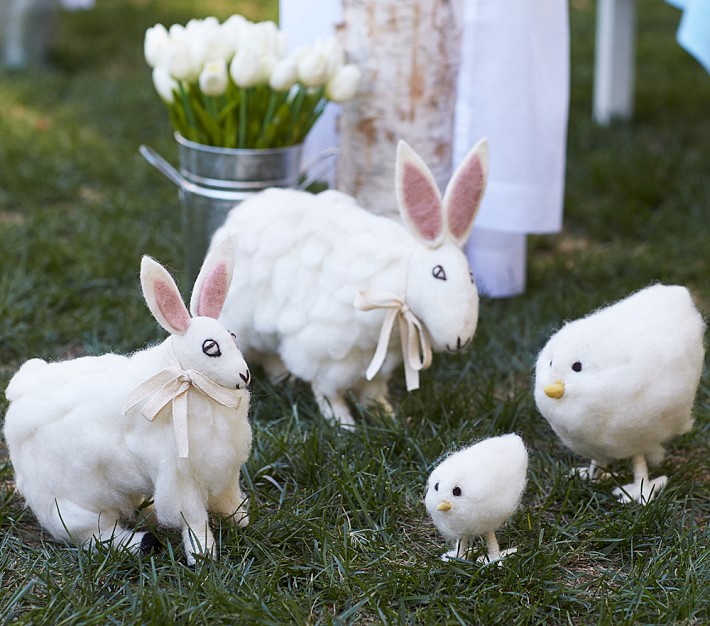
(212, 181)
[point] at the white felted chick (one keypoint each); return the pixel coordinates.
(340, 297)
(474, 491)
(92, 438)
(620, 382)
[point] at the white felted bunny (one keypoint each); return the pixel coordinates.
(474, 491)
(621, 382)
(328, 280)
(92, 438)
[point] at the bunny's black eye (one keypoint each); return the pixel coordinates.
(211, 348)
(473, 280)
(438, 272)
(577, 366)
(436, 487)
(234, 337)
(456, 491)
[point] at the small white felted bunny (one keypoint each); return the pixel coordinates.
(620, 382)
(474, 491)
(330, 282)
(91, 438)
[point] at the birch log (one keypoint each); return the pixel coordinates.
(408, 51)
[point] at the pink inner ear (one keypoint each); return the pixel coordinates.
(422, 202)
(465, 197)
(213, 292)
(171, 306)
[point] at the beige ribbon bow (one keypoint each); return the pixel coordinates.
(416, 348)
(173, 385)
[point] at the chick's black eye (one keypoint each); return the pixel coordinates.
(577, 366)
(211, 348)
(438, 272)
(436, 487)
(456, 491)
(473, 280)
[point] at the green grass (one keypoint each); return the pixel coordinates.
(339, 533)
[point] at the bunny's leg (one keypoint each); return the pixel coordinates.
(178, 502)
(197, 538)
(333, 407)
(643, 489)
(232, 504)
(80, 526)
(374, 392)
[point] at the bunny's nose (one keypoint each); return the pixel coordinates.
(555, 390)
(460, 345)
(444, 506)
(246, 377)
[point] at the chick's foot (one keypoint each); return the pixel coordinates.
(642, 492)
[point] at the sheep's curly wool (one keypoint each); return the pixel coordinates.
(303, 259)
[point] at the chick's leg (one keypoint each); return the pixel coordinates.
(591, 472)
(493, 552)
(460, 550)
(643, 489)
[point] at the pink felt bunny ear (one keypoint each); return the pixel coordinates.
(163, 298)
(464, 192)
(418, 197)
(212, 284)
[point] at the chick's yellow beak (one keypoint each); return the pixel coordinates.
(555, 390)
(444, 506)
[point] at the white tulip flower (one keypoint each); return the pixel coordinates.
(284, 75)
(234, 28)
(246, 69)
(164, 84)
(179, 61)
(312, 66)
(155, 44)
(207, 42)
(213, 78)
(343, 86)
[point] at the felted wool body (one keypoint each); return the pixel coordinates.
(629, 371)
(72, 448)
(84, 453)
(304, 258)
(483, 483)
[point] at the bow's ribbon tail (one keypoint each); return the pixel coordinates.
(180, 420)
(416, 350)
(382, 343)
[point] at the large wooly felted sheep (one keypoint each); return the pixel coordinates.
(327, 280)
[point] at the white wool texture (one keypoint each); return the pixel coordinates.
(641, 360)
(300, 260)
(83, 465)
(491, 475)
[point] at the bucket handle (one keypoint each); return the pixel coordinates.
(319, 166)
(165, 168)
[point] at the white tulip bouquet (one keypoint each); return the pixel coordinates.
(232, 84)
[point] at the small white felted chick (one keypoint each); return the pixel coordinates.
(475, 490)
(621, 382)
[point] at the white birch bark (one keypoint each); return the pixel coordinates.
(408, 51)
